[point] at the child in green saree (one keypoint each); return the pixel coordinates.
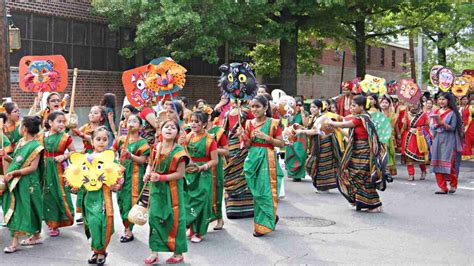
(22, 201)
(167, 212)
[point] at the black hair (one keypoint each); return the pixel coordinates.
(268, 96)
(386, 97)
(201, 116)
(263, 101)
(9, 107)
(178, 107)
(103, 114)
(184, 100)
(4, 117)
(51, 95)
(51, 117)
(263, 86)
(32, 124)
(376, 98)
(452, 105)
(360, 100)
(319, 104)
(132, 109)
(200, 101)
(100, 129)
(108, 100)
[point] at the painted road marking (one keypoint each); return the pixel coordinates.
(468, 188)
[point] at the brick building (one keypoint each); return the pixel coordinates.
(67, 27)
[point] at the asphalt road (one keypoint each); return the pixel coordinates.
(416, 227)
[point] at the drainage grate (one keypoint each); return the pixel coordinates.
(306, 221)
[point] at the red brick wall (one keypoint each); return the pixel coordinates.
(77, 9)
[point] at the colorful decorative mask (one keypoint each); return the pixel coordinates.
(470, 73)
(102, 170)
(147, 85)
(434, 75)
(237, 81)
(408, 91)
(352, 85)
(433, 90)
(461, 86)
(392, 86)
(287, 105)
(43, 73)
(165, 77)
(445, 79)
(372, 84)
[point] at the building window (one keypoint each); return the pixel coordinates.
(394, 58)
(404, 61)
(85, 45)
(382, 56)
(368, 54)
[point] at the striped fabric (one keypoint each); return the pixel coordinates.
(322, 165)
(355, 181)
(238, 199)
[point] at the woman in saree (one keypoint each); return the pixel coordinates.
(362, 165)
(448, 129)
(218, 171)
(416, 140)
(167, 211)
(133, 152)
(295, 156)
(237, 196)
(467, 114)
(11, 125)
(53, 103)
(58, 210)
(387, 109)
(325, 154)
(261, 168)
(202, 148)
(22, 202)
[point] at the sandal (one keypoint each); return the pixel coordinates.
(423, 176)
(152, 259)
(126, 238)
(10, 249)
(255, 234)
(31, 241)
(53, 232)
(375, 210)
(93, 259)
(411, 178)
(452, 190)
(196, 238)
(175, 260)
(219, 225)
(101, 261)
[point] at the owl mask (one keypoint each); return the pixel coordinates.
(372, 85)
(461, 86)
(408, 91)
(445, 79)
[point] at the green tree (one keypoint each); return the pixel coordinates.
(450, 26)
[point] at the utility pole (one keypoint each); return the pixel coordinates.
(4, 53)
(412, 57)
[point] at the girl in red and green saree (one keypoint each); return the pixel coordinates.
(58, 210)
(448, 133)
(133, 152)
(22, 202)
(387, 109)
(325, 154)
(295, 157)
(416, 140)
(218, 171)
(202, 148)
(11, 125)
(362, 167)
(97, 117)
(167, 211)
(54, 103)
(97, 205)
(261, 168)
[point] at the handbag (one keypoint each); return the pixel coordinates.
(138, 214)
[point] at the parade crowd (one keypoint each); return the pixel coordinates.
(182, 163)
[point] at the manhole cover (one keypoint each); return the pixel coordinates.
(306, 221)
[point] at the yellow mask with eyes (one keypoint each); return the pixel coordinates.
(101, 171)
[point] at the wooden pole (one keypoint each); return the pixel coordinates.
(4, 53)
